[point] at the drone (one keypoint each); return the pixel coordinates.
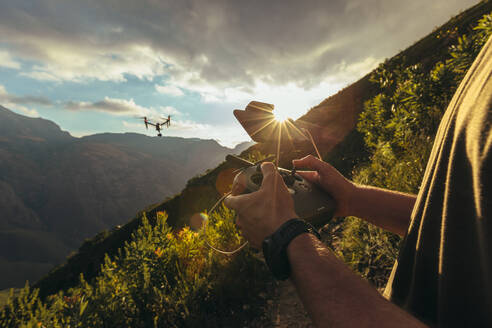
(157, 125)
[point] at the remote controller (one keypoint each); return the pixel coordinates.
(311, 203)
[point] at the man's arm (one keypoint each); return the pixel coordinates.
(390, 210)
(387, 209)
(333, 295)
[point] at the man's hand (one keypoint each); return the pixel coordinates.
(387, 209)
(328, 178)
(262, 212)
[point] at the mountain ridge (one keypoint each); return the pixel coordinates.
(66, 189)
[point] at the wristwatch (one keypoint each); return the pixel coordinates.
(275, 246)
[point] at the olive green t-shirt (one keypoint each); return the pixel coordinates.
(444, 271)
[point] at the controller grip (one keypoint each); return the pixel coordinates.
(315, 206)
(311, 203)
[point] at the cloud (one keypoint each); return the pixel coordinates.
(79, 64)
(189, 125)
(169, 110)
(213, 47)
(8, 98)
(169, 90)
(7, 61)
(123, 107)
(110, 105)
(341, 75)
(31, 112)
(17, 103)
(132, 125)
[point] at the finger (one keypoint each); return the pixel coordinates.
(310, 162)
(239, 184)
(311, 176)
(269, 172)
(237, 203)
(271, 178)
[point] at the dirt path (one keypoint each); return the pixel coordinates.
(288, 310)
(284, 310)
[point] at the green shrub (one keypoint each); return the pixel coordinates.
(160, 278)
(399, 125)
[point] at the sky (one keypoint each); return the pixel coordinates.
(95, 66)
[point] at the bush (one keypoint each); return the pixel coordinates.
(399, 125)
(160, 278)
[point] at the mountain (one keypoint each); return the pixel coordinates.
(57, 190)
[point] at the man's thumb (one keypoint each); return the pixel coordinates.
(268, 170)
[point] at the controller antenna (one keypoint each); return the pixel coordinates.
(312, 141)
(218, 250)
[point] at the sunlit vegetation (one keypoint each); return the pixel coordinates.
(160, 278)
(399, 125)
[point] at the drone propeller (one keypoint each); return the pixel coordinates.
(167, 120)
(145, 121)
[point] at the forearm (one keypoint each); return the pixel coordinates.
(333, 295)
(390, 210)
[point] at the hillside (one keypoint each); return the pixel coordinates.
(57, 190)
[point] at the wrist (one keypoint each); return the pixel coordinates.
(275, 246)
(351, 195)
(279, 221)
(300, 242)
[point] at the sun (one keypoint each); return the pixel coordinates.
(280, 116)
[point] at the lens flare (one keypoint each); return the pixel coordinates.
(198, 220)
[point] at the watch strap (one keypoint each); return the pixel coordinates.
(275, 246)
